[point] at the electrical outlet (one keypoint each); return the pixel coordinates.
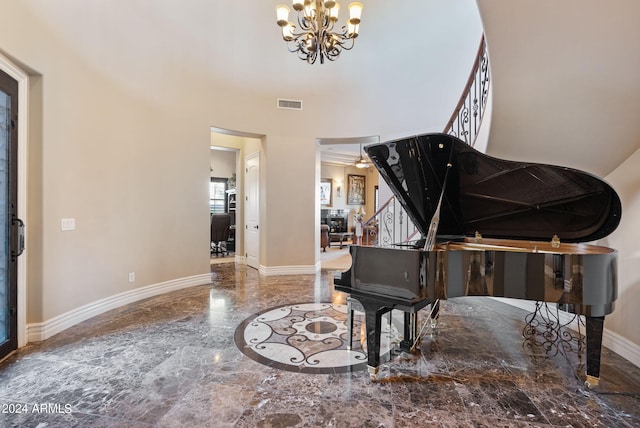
(132, 276)
(68, 224)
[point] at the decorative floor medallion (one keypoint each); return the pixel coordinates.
(307, 338)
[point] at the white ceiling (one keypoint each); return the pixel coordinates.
(346, 151)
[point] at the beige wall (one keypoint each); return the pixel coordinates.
(290, 204)
(223, 163)
(626, 317)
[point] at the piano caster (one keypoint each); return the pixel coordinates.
(591, 382)
(373, 372)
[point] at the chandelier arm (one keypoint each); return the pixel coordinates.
(339, 43)
(308, 24)
(310, 57)
(348, 44)
(327, 23)
(294, 44)
(299, 45)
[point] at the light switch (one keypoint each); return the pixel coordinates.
(68, 224)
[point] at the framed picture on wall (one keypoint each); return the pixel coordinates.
(356, 189)
(325, 191)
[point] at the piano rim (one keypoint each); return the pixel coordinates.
(522, 246)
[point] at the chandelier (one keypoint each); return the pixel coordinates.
(314, 35)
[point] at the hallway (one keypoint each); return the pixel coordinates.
(174, 361)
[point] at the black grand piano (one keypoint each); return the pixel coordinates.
(489, 227)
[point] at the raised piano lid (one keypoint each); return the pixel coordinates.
(497, 198)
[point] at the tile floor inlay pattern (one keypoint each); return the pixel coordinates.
(307, 338)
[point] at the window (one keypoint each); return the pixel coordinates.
(217, 195)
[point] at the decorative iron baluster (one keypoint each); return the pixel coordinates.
(467, 116)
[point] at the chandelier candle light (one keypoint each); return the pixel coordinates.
(315, 36)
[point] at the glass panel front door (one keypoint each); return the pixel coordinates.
(5, 122)
(8, 219)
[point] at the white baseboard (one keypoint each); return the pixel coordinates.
(283, 270)
(613, 341)
(290, 270)
(37, 332)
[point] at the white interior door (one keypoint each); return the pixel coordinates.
(252, 210)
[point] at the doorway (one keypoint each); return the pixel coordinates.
(246, 145)
(10, 225)
(222, 203)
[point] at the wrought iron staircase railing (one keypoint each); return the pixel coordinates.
(467, 117)
(390, 224)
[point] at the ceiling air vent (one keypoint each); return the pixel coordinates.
(290, 104)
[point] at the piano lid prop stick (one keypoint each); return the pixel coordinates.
(429, 245)
(430, 242)
(430, 321)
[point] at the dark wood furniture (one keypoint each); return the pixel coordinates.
(340, 237)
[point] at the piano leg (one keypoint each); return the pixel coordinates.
(373, 318)
(594, 326)
(410, 331)
(349, 327)
(352, 305)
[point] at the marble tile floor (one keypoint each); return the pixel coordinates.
(172, 361)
